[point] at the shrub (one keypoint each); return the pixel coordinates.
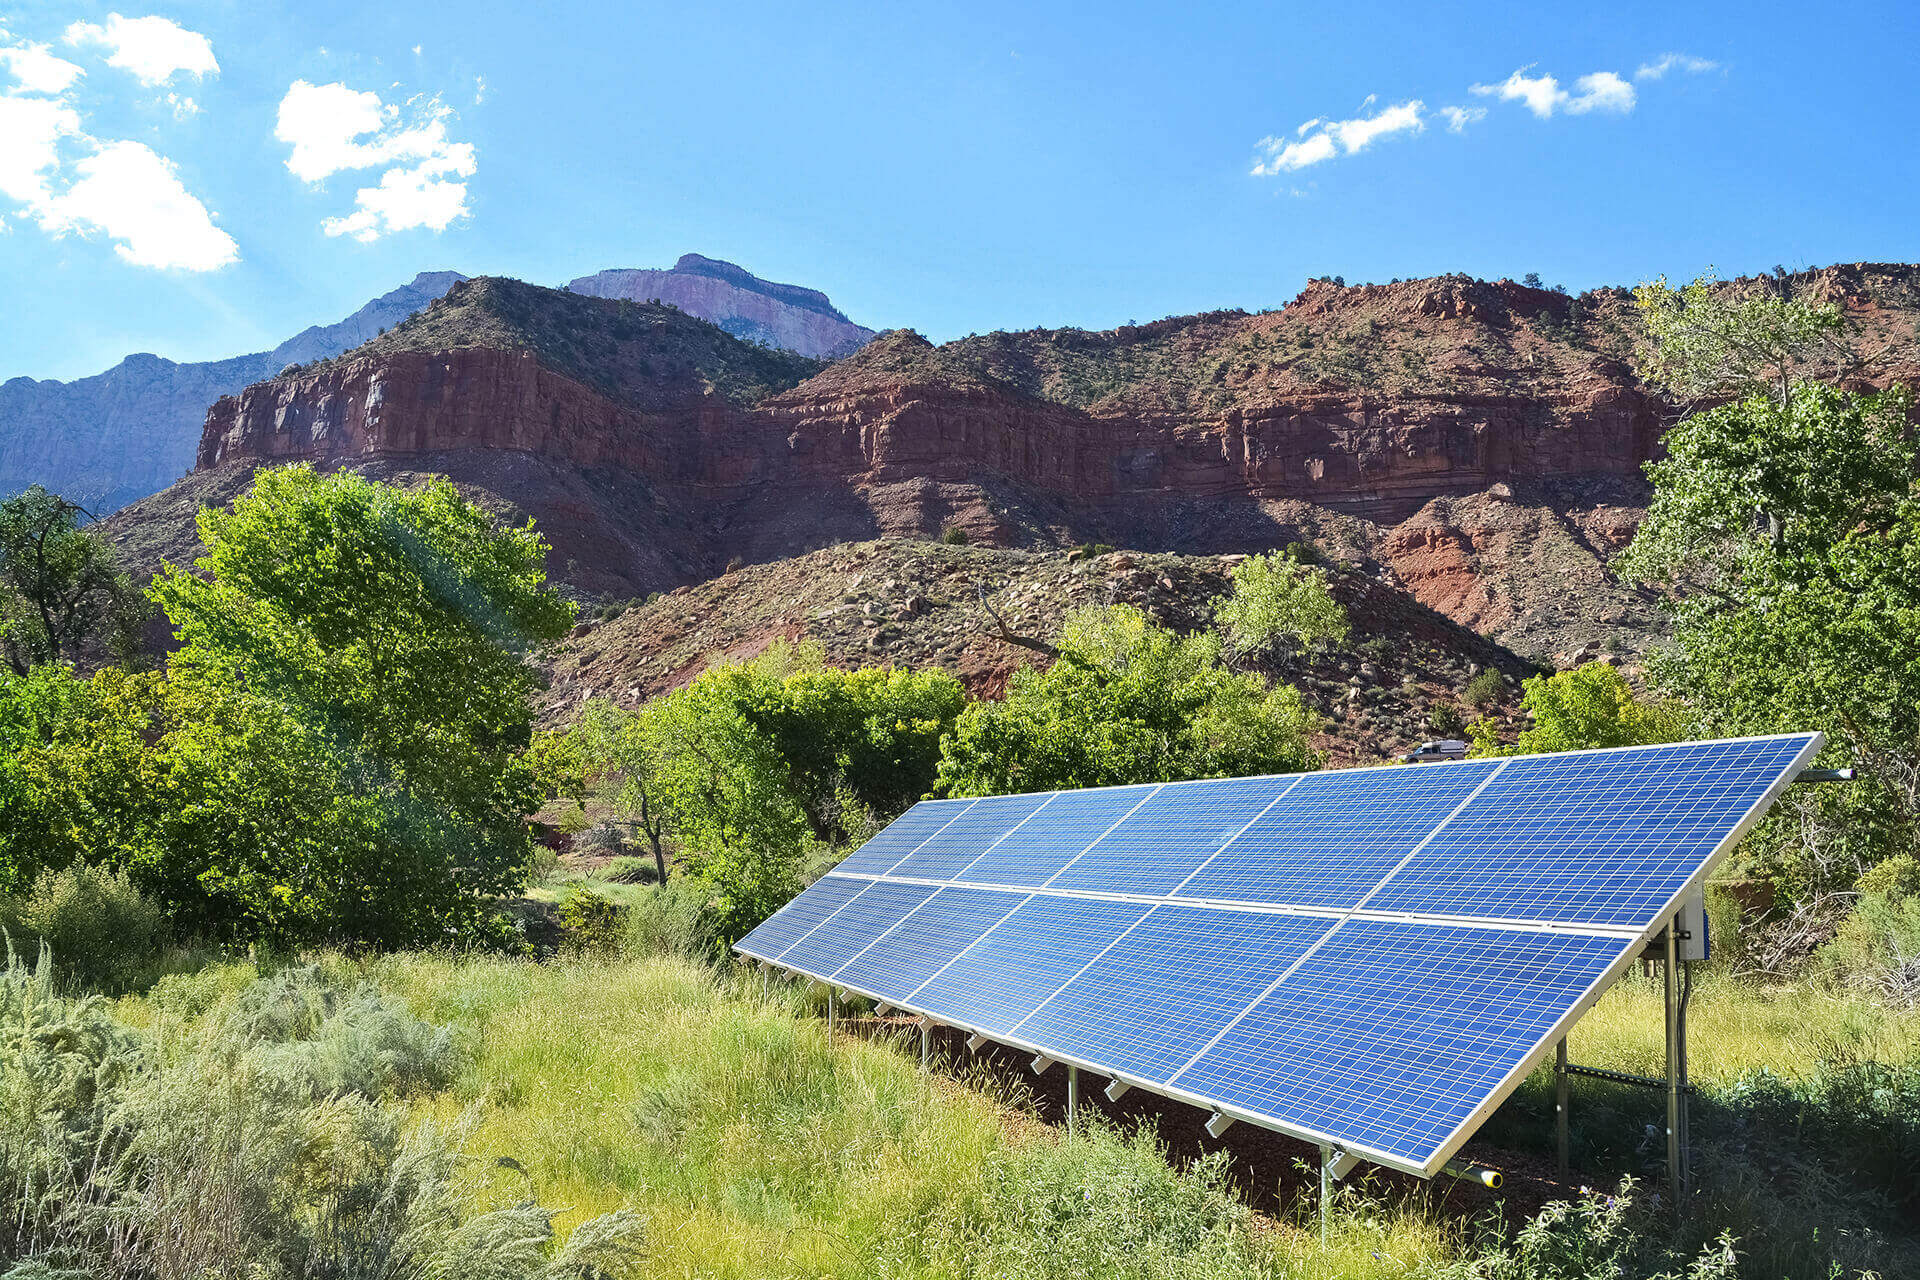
(671, 919)
(1484, 691)
(1878, 946)
(1446, 719)
(1598, 1237)
(331, 1040)
(248, 1150)
(588, 922)
(103, 933)
(954, 536)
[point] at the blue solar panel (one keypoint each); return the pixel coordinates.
(1331, 839)
(963, 839)
(1602, 838)
(1024, 959)
(907, 832)
(1322, 1018)
(784, 927)
(847, 931)
(1168, 986)
(1033, 852)
(1390, 1035)
(922, 944)
(1159, 844)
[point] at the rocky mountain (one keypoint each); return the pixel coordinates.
(775, 315)
(1477, 445)
(120, 435)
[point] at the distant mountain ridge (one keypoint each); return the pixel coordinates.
(115, 437)
(775, 315)
(118, 436)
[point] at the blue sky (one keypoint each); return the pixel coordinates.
(187, 179)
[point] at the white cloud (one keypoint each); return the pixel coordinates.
(31, 130)
(330, 129)
(1674, 62)
(154, 49)
(133, 195)
(479, 90)
(1542, 94)
(1601, 91)
(324, 123)
(36, 69)
(1320, 140)
(1458, 118)
(183, 106)
(71, 183)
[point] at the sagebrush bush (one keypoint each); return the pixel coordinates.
(1484, 691)
(266, 1141)
(105, 934)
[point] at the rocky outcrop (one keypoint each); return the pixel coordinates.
(777, 315)
(1478, 445)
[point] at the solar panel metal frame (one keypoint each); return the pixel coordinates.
(1633, 942)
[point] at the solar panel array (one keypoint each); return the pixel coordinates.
(1367, 958)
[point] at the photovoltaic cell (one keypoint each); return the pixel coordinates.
(1168, 986)
(784, 927)
(922, 943)
(1024, 959)
(1332, 838)
(1165, 839)
(847, 931)
(1035, 850)
(905, 834)
(1602, 838)
(1390, 1035)
(963, 839)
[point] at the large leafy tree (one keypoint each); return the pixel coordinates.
(1589, 706)
(59, 585)
(753, 764)
(1784, 529)
(1128, 701)
(1278, 600)
(352, 707)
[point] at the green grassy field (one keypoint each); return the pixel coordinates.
(753, 1147)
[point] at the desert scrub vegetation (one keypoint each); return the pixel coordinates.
(258, 1128)
(411, 1114)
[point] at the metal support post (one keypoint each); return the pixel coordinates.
(1685, 1087)
(1326, 1191)
(833, 1010)
(1560, 1091)
(1676, 1176)
(1073, 1098)
(926, 1043)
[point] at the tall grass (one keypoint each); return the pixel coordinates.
(714, 1120)
(759, 1149)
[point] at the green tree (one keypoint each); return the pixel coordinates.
(621, 760)
(1785, 531)
(352, 707)
(1279, 600)
(80, 779)
(1591, 705)
(59, 585)
(1127, 701)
